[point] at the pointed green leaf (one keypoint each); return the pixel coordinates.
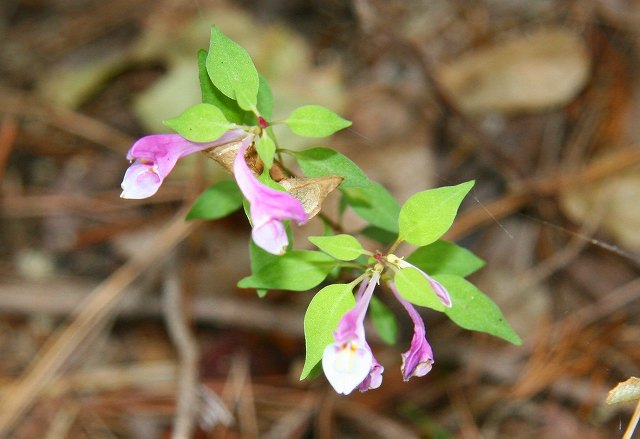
(342, 247)
(259, 258)
(415, 288)
(211, 95)
(218, 201)
(375, 204)
(298, 270)
(384, 321)
(445, 257)
(315, 121)
(232, 71)
(265, 99)
(266, 150)
(474, 310)
(380, 235)
(320, 162)
(200, 123)
(427, 215)
(322, 317)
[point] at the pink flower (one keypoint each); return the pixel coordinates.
(269, 207)
(349, 362)
(418, 360)
(155, 156)
(374, 379)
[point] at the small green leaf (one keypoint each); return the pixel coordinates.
(415, 288)
(342, 247)
(218, 201)
(232, 71)
(472, 309)
(298, 270)
(319, 162)
(200, 123)
(384, 321)
(211, 95)
(266, 150)
(261, 292)
(380, 235)
(259, 258)
(315, 121)
(322, 317)
(445, 257)
(427, 215)
(375, 204)
(265, 99)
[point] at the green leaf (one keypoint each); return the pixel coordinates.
(200, 123)
(259, 258)
(374, 204)
(322, 317)
(472, 309)
(342, 247)
(232, 71)
(315, 121)
(265, 99)
(445, 257)
(320, 162)
(266, 150)
(298, 270)
(415, 288)
(218, 201)
(384, 321)
(427, 215)
(211, 95)
(377, 234)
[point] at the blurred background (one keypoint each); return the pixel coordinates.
(538, 101)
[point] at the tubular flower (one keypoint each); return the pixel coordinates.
(437, 287)
(349, 362)
(155, 156)
(418, 360)
(268, 207)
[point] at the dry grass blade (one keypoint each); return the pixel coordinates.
(92, 315)
(178, 327)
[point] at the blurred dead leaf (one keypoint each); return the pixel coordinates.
(621, 211)
(626, 391)
(530, 73)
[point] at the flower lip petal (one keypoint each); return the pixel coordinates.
(140, 181)
(271, 236)
(346, 366)
(374, 379)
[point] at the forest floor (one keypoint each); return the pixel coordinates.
(538, 101)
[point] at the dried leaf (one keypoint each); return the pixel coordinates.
(626, 391)
(311, 192)
(224, 154)
(617, 198)
(538, 71)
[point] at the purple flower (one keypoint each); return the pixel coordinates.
(418, 360)
(269, 207)
(349, 362)
(374, 379)
(437, 287)
(155, 156)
